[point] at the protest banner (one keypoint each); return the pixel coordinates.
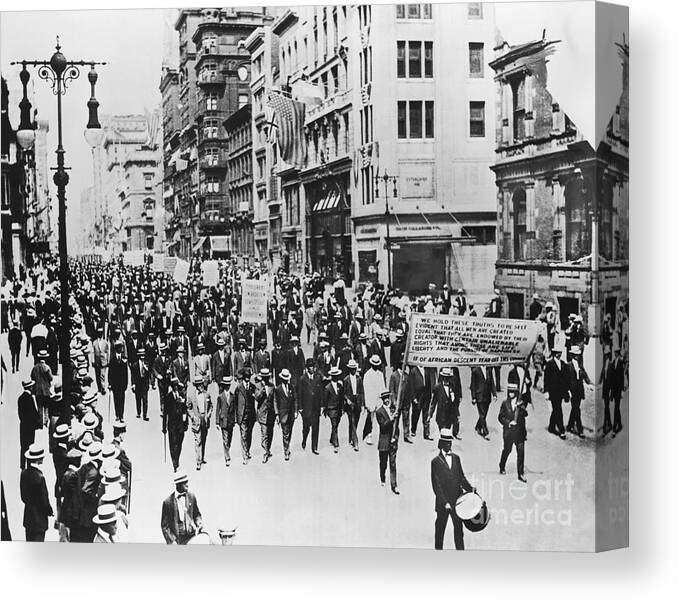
(170, 264)
(210, 272)
(181, 271)
(254, 301)
(437, 340)
(133, 258)
(158, 262)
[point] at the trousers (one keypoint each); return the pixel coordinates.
(286, 428)
(334, 433)
(176, 440)
(100, 374)
(509, 442)
(142, 402)
(310, 424)
(35, 535)
(574, 421)
(245, 438)
(226, 438)
(556, 420)
(388, 457)
(267, 436)
(420, 408)
(441, 524)
(200, 437)
(119, 403)
(353, 415)
(481, 425)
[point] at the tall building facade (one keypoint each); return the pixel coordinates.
(551, 183)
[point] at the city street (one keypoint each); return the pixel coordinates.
(336, 500)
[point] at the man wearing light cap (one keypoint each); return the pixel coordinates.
(354, 400)
(180, 519)
(30, 418)
(225, 415)
(199, 406)
(286, 408)
(180, 368)
(105, 521)
(89, 479)
(141, 381)
(373, 385)
(578, 377)
(118, 380)
(264, 396)
(33, 488)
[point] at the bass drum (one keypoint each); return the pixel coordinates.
(473, 511)
(199, 538)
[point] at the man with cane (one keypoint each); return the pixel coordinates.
(175, 421)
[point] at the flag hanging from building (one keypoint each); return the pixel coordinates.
(289, 119)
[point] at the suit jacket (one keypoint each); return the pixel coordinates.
(386, 429)
(311, 394)
(241, 359)
(482, 385)
(219, 367)
(354, 399)
(69, 511)
(194, 411)
(41, 374)
(262, 359)
(615, 378)
(202, 367)
(518, 431)
(140, 383)
(174, 529)
(264, 397)
(161, 371)
(285, 404)
(295, 364)
(225, 416)
(448, 483)
(577, 382)
(244, 404)
(117, 374)
(89, 480)
(333, 400)
(447, 406)
(556, 381)
(29, 416)
(37, 508)
(180, 370)
(102, 352)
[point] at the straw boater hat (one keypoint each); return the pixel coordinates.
(85, 441)
(109, 451)
(180, 349)
(285, 374)
(575, 350)
(558, 349)
(28, 383)
(90, 421)
(226, 381)
(375, 360)
(94, 450)
(512, 387)
(113, 493)
(90, 398)
(385, 394)
(264, 373)
(334, 371)
(352, 365)
(106, 514)
(446, 435)
(42, 354)
(197, 379)
(35, 452)
(111, 475)
(62, 431)
(180, 477)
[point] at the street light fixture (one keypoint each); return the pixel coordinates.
(386, 179)
(58, 71)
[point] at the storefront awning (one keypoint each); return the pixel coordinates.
(200, 243)
(220, 243)
(331, 201)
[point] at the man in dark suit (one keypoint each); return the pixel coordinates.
(449, 482)
(225, 415)
(141, 381)
(295, 362)
(285, 408)
(89, 481)
(578, 377)
(117, 381)
(512, 417)
(199, 407)
(161, 373)
(444, 398)
(354, 401)
(483, 392)
(37, 508)
(388, 441)
(221, 361)
(616, 376)
(175, 419)
(310, 404)
(557, 390)
(333, 404)
(245, 412)
(180, 369)
(262, 358)
(30, 419)
(264, 397)
(41, 375)
(181, 519)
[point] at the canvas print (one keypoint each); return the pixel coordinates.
(334, 275)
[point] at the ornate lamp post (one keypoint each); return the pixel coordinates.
(58, 71)
(386, 179)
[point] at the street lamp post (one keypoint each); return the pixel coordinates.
(387, 213)
(59, 72)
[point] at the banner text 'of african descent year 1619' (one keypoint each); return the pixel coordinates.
(437, 340)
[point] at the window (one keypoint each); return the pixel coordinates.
(211, 102)
(428, 119)
(577, 221)
(402, 119)
(400, 11)
(411, 62)
(484, 235)
(415, 119)
(426, 11)
(211, 128)
(401, 69)
(477, 119)
(415, 59)
(212, 184)
(243, 99)
(519, 223)
(475, 10)
(476, 60)
(428, 59)
(148, 181)
(414, 11)
(518, 93)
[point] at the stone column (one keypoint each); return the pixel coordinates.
(529, 115)
(506, 106)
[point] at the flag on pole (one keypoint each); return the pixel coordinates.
(289, 119)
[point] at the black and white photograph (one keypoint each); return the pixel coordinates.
(347, 276)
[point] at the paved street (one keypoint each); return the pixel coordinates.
(336, 500)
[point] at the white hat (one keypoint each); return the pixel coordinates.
(375, 360)
(106, 513)
(35, 452)
(180, 477)
(285, 374)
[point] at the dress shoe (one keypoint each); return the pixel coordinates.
(336, 450)
(204, 461)
(409, 441)
(146, 418)
(457, 437)
(303, 446)
(315, 451)
(502, 471)
(562, 436)
(287, 456)
(244, 460)
(228, 463)
(428, 438)
(395, 490)
(522, 478)
(383, 483)
(197, 467)
(355, 448)
(138, 416)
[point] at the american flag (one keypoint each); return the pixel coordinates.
(289, 120)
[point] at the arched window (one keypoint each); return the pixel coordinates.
(519, 223)
(577, 222)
